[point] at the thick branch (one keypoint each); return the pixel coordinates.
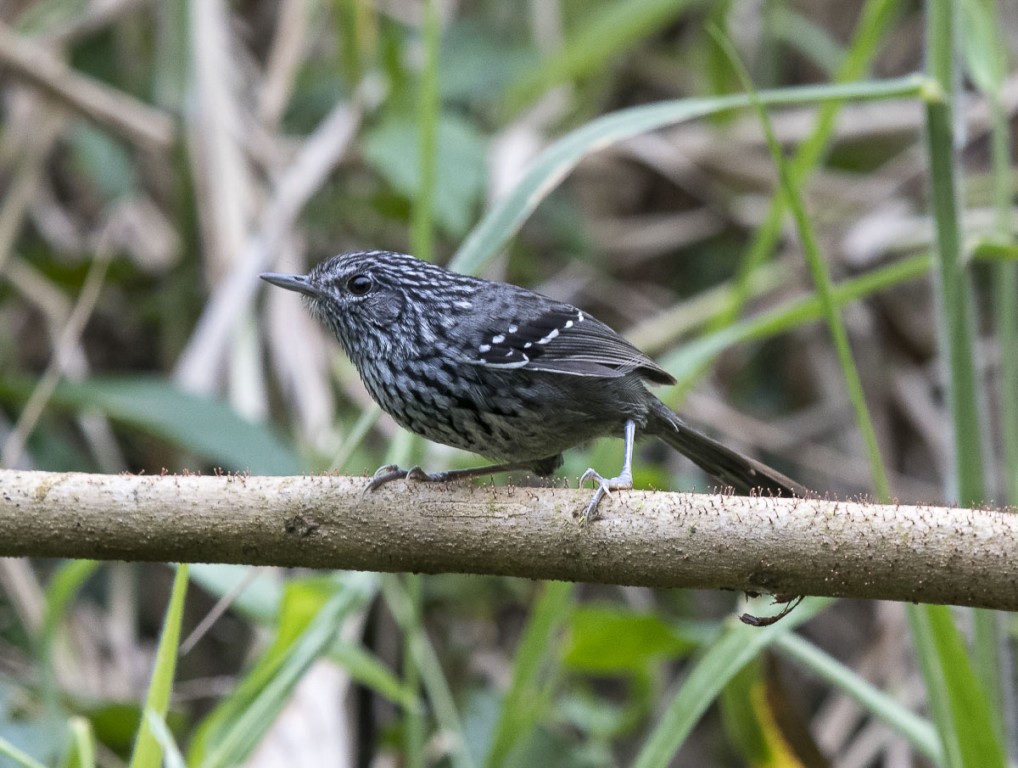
(922, 554)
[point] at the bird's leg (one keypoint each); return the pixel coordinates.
(391, 472)
(623, 482)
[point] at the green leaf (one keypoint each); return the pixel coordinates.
(475, 66)
(116, 724)
(983, 44)
(792, 192)
(61, 590)
(202, 425)
(806, 37)
(957, 699)
(147, 751)
(992, 250)
(99, 157)
(694, 354)
(11, 752)
(919, 732)
(82, 753)
(605, 32)
(422, 654)
(953, 287)
(492, 234)
(745, 724)
(171, 752)
(311, 613)
(393, 149)
(368, 670)
(612, 639)
(258, 600)
(722, 660)
(64, 586)
(522, 703)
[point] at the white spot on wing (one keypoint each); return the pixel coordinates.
(513, 364)
(485, 348)
(549, 337)
(513, 328)
(498, 339)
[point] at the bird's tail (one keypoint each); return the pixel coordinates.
(745, 475)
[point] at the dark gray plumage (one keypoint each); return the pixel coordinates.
(501, 371)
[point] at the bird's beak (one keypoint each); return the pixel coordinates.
(298, 283)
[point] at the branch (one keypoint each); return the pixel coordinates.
(135, 120)
(781, 546)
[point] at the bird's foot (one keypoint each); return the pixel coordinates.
(623, 482)
(389, 472)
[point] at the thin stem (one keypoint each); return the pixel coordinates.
(873, 22)
(953, 289)
(1007, 293)
(824, 286)
(33, 410)
(422, 226)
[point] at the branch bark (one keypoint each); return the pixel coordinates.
(782, 546)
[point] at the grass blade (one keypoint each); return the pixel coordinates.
(689, 358)
(522, 703)
(309, 620)
(919, 732)
(606, 31)
(970, 727)
(494, 231)
(171, 752)
(147, 751)
(825, 290)
(82, 753)
(426, 660)
(957, 700)
(953, 283)
(202, 425)
(874, 22)
(722, 660)
(11, 752)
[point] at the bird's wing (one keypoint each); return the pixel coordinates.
(543, 335)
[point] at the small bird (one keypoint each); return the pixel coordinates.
(503, 372)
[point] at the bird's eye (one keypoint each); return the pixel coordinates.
(358, 285)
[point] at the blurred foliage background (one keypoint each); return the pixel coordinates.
(155, 157)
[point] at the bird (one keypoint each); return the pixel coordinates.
(503, 372)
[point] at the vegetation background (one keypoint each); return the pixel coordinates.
(155, 157)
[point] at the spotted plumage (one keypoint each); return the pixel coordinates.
(500, 370)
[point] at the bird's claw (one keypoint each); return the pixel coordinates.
(623, 482)
(389, 472)
(385, 474)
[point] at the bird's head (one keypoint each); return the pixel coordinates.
(370, 300)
